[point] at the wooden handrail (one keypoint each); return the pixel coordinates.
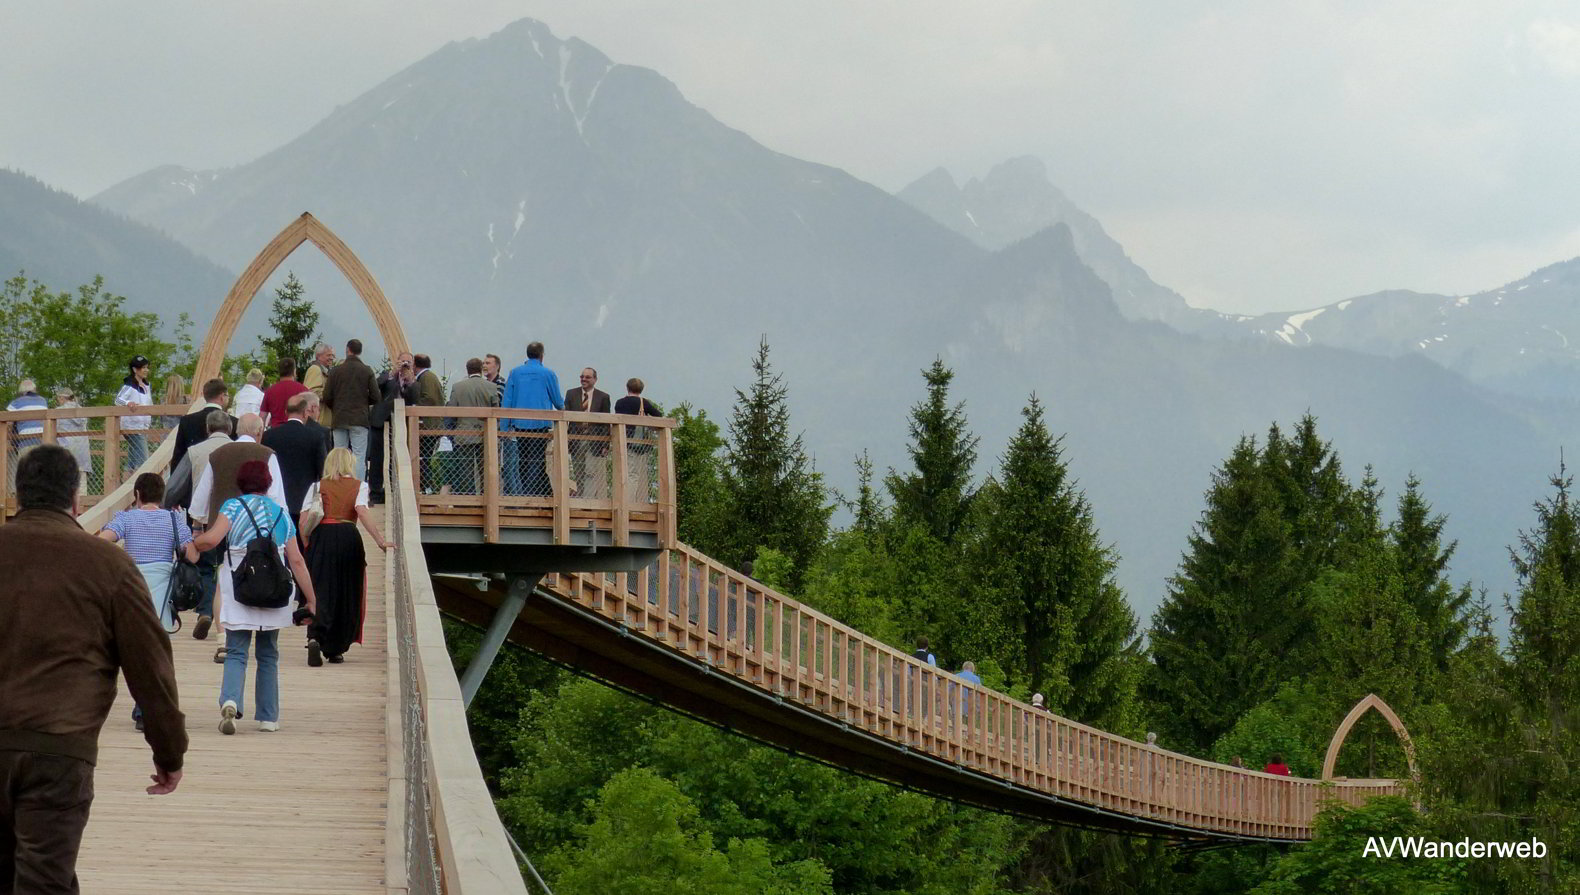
(66, 413)
(718, 617)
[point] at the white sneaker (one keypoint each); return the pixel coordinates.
(227, 718)
(268, 726)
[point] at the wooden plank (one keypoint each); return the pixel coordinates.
(322, 779)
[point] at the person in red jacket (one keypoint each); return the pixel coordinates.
(1277, 766)
(273, 410)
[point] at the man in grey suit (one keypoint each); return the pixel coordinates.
(589, 441)
(467, 457)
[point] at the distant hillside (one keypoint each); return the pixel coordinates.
(63, 242)
(1521, 339)
(523, 186)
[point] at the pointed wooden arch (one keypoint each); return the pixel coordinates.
(1372, 701)
(304, 229)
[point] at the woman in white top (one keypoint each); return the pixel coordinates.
(250, 398)
(238, 521)
(135, 392)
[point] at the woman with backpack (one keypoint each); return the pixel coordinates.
(336, 560)
(256, 592)
(153, 537)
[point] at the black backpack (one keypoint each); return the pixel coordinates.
(261, 580)
(186, 587)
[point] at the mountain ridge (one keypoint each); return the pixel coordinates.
(522, 187)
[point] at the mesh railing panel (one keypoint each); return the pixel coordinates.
(422, 862)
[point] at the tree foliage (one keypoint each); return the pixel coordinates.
(772, 495)
(1048, 608)
(81, 339)
(936, 493)
(293, 320)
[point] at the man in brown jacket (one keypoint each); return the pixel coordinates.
(350, 392)
(75, 613)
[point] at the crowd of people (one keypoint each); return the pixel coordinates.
(311, 445)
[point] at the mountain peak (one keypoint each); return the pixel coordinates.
(1015, 200)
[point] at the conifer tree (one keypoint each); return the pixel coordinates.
(1421, 557)
(1048, 585)
(772, 494)
(1212, 658)
(294, 320)
(936, 495)
(867, 508)
(1515, 771)
(1239, 620)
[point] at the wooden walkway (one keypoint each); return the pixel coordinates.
(300, 811)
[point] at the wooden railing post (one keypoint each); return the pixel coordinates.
(559, 449)
(666, 486)
(620, 462)
(491, 485)
(112, 453)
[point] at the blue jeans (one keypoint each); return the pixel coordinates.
(267, 681)
(136, 451)
(206, 575)
(355, 438)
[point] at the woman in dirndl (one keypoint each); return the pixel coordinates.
(336, 559)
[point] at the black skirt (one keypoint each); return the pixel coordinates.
(338, 566)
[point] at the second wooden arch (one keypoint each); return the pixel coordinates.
(304, 229)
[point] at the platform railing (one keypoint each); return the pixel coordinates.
(564, 473)
(97, 436)
(733, 624)
(454, 839)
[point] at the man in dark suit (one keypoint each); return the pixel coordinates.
(427, 391)
(299, 449)
(393, 383)
(193, 427)
(589, 441)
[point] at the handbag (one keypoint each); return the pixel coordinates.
(312, 512)
(185, 590)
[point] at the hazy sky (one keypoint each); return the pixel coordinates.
(1252, 155)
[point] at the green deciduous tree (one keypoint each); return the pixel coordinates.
(1337, 860)
(645, 836)
(699, 477)
(80, 339)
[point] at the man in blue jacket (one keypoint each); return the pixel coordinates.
(531, 386)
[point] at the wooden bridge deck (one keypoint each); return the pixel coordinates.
(299, 811)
